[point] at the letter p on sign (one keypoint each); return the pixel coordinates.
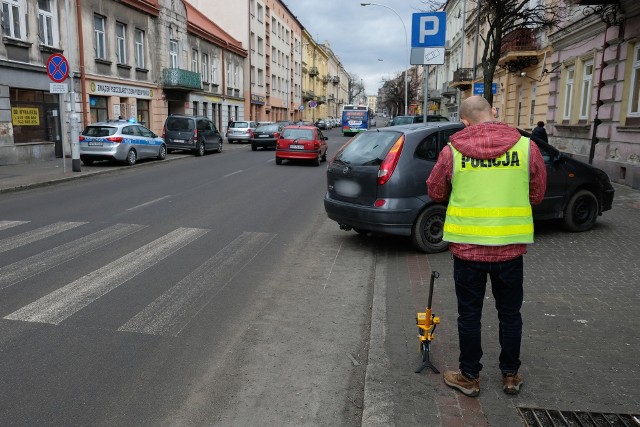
(428, 29)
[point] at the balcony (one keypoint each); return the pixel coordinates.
(322, 99)
(462, 78)
(326, 79)
(176, 78)
(313, 71)
(308, 95)
(519, 50)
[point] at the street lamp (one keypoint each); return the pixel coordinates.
(406, 45)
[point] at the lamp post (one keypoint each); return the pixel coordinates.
(406, 46)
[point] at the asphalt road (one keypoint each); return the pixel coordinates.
(196, 292)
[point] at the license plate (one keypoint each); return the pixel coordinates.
(263, 136)
(95, 143)
(179, 141)
(296, 147)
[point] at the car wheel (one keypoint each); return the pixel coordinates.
(324, 156)
(162, 154)
(200, 151)
(131, 157)
(254, 147)
(86, 161)
(316, 161)
(581, 212)
(278, 161)
(427, 231)
(219, 150)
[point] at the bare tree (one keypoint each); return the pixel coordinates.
(356, 88)
(393, 93)
(506, 22)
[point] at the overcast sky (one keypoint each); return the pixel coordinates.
(360, 36)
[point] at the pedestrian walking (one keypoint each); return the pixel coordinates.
(540, 132)
(490, 176)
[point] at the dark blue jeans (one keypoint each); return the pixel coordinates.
(506, 285)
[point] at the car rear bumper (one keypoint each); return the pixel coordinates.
(264, 142)
(298, 154)
(244, 137)
(172, 145)
(397, 221)
(116, 151)
(607, 199)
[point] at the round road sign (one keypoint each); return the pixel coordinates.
(57, 68)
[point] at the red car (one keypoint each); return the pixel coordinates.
(303, 143)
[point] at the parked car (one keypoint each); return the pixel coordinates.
(120, 140)
(302, 143)
(266, 136)
(240, 131)
(321, 124)
(405, 120)
(377, 183)
(193, 133)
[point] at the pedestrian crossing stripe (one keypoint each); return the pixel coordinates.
(25, 238)
(172, 311)
(8, 224)
(59, 305)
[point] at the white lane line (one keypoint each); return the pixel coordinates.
(232, 173)
(23, 269)
(332, 265)
(8, 224)
(172, 311)
(68, 300)
(37, 234)
(149, 202)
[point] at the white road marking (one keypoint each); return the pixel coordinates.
(68, 300)
(37, 234)
(149, 202)
(8, 224)
(20, 270)
(333, 264)
(172, 311)
(232, 173)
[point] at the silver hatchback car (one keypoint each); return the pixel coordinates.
(241, 131)
(120, 140)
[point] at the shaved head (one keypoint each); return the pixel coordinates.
(476, 109)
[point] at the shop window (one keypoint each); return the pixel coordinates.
(143, 112)
(34, 115)
(98, 109)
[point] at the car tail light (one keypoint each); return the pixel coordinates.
(379, 203)
(276, 135)
(164, 131)
(316, 145)
(249, 133)
(117, 139)
(81, 138)
(195, 135)
(390, 161)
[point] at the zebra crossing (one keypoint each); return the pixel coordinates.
(168, 314)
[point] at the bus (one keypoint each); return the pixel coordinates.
(355, 118)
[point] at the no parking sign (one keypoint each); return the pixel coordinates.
(57, 68)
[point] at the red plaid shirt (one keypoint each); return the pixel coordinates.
(439, 187)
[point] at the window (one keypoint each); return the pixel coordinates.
(214, 71)
(634, 105)
(47, 25)
(236, 76)
(205, 67)
(260, 13)
(585, 97)
(260, 77)
(121, 43)
(139, 40)
(13, 23)
(228, 74)
(173, 53)
(273, 55)
(568, 89)
(532, 110)
(428, 149)
(100, 43)
(519, 112)
(273, 25)
(194, 60)
(260, 46)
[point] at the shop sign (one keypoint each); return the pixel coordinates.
(21, 116)
(110, 89)
(258, 99)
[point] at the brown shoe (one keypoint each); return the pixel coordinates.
(511, 383)
(468, 386)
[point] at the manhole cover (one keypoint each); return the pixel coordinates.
(537, 417)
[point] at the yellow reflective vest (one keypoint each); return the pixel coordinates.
(489, 202)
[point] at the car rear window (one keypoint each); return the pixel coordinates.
(179, 124)
(404, 120)
(240, 125)
(267, 128)
(367, 149)
(297, 134)
(99, 131)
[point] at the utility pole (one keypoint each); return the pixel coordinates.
(73, 115)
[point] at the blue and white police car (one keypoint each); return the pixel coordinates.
(120, 140)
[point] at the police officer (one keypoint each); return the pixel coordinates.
(490, 176)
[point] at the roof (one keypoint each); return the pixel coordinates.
(152, 7)
(201, 26)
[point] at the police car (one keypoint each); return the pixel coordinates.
(120, 140)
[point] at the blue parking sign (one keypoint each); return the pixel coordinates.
(428, 29)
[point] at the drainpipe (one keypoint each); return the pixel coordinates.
(83, 78)
(596, 120)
